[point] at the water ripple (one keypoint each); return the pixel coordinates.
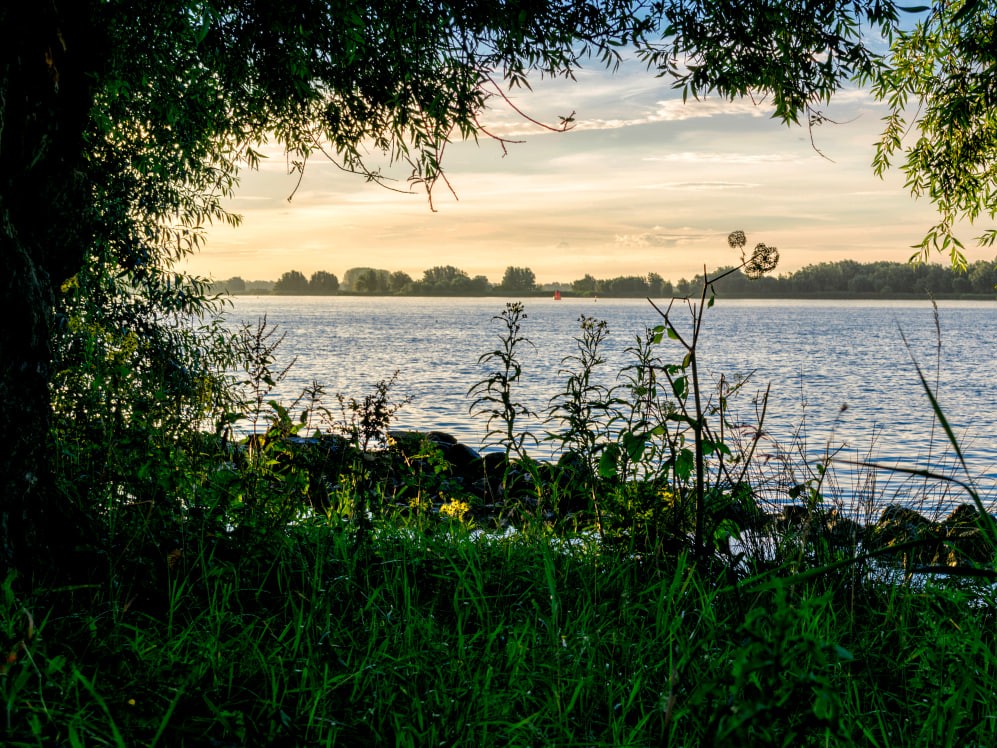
(818, 357)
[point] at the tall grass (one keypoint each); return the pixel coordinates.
(456, 639)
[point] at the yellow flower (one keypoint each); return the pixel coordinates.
(455, 509)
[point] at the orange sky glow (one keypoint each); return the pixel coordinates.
(643, 183)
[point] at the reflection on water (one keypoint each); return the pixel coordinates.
(838, 370)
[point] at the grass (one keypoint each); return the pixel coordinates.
(450, 638)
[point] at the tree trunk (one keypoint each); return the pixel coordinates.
(26, 485)
(45, 101)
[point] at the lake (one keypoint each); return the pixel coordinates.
(840, 376)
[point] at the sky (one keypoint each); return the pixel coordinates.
(642, 183)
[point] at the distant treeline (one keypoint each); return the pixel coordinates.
(827, 279)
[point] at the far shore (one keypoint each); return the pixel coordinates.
(818, 295)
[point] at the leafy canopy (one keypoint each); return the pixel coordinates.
(941, 89)
(933, 66)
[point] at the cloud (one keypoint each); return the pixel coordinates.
(699, 186)
(659, 237)
(717, 157)
(675, 110)
(663, 110)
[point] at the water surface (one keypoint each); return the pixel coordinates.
(839, 373)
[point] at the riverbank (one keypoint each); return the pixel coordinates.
(282, 605)
(808, 359)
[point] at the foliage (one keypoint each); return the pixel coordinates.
(848, 278)
(936, 80)
(353, 275)
(173, 585)
(584, 285)
(446, 638)
(625, 286)
(841, 278)
(782, 682)
(583, 410)
(518, 280)
(658, 286)
(493, 396)
(125, 126)
(137, 381)
(291, 282)
(323, 282)
(399, 282)
(233, 285)
(687, 461)
(447, 279)
(799, 53)
(940, 85)
(372, 281)
(355, 622)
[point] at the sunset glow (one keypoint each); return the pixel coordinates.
(641, 183)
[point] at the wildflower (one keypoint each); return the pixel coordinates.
(455, 509)
(763, 260)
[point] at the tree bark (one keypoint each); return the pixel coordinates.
(45, 101)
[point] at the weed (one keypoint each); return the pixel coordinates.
(493, 397)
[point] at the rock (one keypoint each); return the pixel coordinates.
(842, 531)
(442, 438)
(963, 516)
(792, 517)
(898, 525)
(487, 475)
(412, 445)
(965, 539)
(461, 458)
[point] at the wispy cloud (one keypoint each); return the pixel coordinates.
(660, 237)
(719, 157)
(699, 186)
(663, 110)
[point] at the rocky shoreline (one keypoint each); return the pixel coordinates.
(433, 468)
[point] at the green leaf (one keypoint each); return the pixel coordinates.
(726, 530)
(680, 418)
(608, 461)
(680, 387)
(634, 445)
(685, 463)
